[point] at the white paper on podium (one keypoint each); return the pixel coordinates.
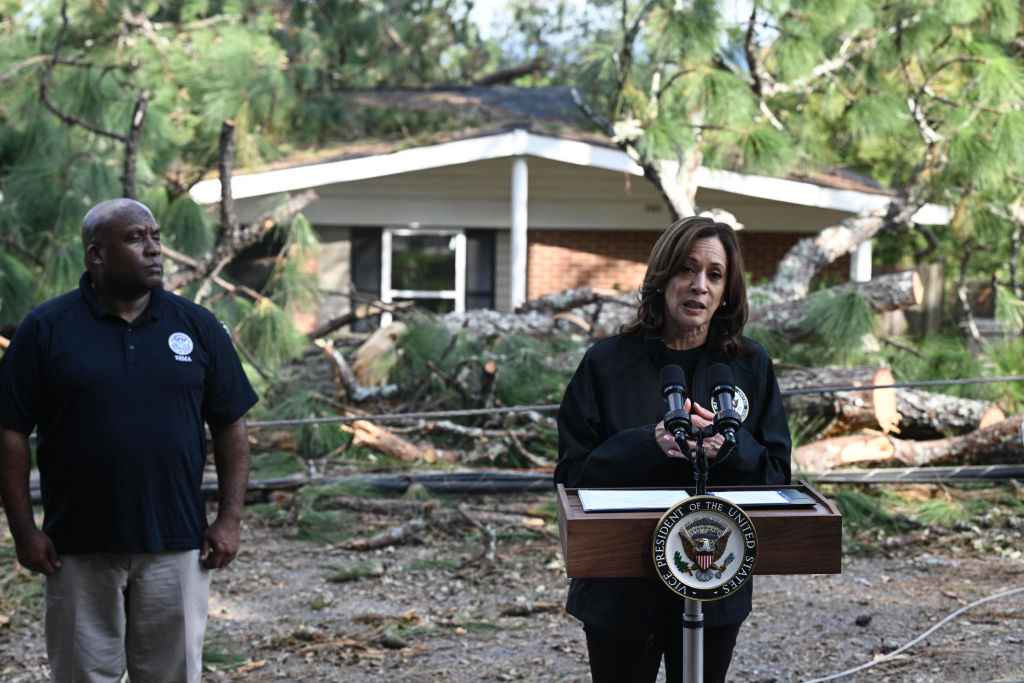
(596, 500)
(608, 500)
(753, 498)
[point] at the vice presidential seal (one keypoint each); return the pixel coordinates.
(704, 548)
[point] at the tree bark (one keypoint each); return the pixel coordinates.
(885, 293)
(831, 413)
(369, 435)
(911, 413)
(927, 415)
(997, 443)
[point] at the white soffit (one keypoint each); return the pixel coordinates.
(522, 143)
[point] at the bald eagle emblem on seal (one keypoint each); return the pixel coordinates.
(704, 548)
(704, 544)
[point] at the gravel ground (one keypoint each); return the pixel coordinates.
(436, 610)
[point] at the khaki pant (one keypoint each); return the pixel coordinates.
(145, 614)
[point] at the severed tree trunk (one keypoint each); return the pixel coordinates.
(370, 363)
(885, 293)
(927, 415)
(840, 412)
(995, 444)
(911, 413)
(371, 435)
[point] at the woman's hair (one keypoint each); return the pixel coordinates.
(668, 256)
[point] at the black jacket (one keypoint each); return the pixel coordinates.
(606, 439)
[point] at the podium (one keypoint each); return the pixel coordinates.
(792, 539)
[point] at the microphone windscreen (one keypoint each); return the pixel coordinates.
(720, 374)
(672, 375)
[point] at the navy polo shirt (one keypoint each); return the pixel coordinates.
(120, 409)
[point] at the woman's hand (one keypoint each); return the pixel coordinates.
(701, 417)
(667, 442)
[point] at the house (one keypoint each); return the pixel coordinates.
(522, 197)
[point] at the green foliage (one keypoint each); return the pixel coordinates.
(938, 358)
(526, 375)
(288, 402)
(1006, 358)
(275, 465)
(358, 570)
(221, 652)
(269, 333)
(833, 328)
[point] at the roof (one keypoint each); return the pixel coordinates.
(506, 121)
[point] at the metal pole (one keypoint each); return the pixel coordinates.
(693, 641)
(693, 611)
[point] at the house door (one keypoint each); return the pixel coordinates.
(424, 266)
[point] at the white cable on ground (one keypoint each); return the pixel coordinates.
(892, 654)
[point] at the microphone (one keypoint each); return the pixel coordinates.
(727, 420)
(673, 388)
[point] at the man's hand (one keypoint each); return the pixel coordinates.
(220, 543)
(36, 551)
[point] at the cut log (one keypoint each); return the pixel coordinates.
(369, 435)
(885, 293)
(927, 415)
(997, 443)
(911, 413)
(830, 413)
(372, 360)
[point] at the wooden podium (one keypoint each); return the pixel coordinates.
(791, 539)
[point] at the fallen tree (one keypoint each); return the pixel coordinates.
(890, 292)
(996, 443)
(911, 413)
(600, 313)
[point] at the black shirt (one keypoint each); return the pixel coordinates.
(120, 409)
(606, 439)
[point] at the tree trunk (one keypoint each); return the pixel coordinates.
(884, 293)
(369, 435)
(911, 413)
(926, 415)
(829, 413)
(997, 443)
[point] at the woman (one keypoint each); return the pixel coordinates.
(691, 312)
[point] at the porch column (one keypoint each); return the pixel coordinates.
(520, 178)
(860, 262)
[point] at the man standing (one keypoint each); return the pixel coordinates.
(118, 378)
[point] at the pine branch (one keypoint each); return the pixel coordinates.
(131, 141)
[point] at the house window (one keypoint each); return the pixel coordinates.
(440, 270)
(424, 266)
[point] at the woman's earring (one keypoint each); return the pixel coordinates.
(724, 302)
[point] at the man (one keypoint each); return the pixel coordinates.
(118, 378)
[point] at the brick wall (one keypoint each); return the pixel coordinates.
(606, 259)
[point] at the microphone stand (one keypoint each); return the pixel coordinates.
(693, 611)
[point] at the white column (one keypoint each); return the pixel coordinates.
(520, 181)
(860, 262)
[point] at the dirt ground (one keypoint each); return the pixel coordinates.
(290, 609)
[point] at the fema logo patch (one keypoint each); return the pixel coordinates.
(181, 344)
(739, 403)
(704, 548)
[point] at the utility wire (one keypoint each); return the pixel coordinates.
(439, 414)
(924, 635)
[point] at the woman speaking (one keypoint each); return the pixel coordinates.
(691, 312)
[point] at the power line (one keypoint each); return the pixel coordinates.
(469, 412)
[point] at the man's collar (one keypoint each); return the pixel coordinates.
(153, 308)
